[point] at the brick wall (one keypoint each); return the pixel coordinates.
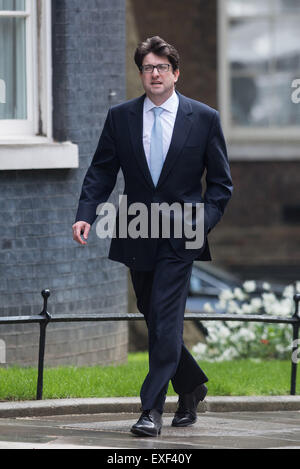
(38, 207)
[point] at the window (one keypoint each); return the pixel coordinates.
(18, 75)
(259, 58)
(26, 89)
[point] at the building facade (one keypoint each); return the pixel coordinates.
(63, 63)
(63, 66)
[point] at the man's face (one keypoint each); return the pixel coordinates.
(158, 86)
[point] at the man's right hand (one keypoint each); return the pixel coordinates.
(81, 228)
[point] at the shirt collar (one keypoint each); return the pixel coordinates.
(170, 105)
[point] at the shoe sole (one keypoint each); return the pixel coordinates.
(183, 424)
(139, 432)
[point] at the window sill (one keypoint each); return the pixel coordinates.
(37, 153)
(263, 151)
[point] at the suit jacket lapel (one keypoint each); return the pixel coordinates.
(135, 123)
(182, 127)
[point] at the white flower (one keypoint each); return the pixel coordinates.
(223, 333)
(239, 294)
(200, 350)
(266, 286)
(281, 348)
(221, 304)
(286, 307)
(233, 307)
(233, 324)
(246, 308)
(226, 295)
(228, 340)
(256, 303)
(269, 298)
(212, 336)
(244, 334)
(288, 336)
(269, 302)
(228, 354)
(289, 291)
(207, 308)
(249, 286)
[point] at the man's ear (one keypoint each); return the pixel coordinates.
(177, 73)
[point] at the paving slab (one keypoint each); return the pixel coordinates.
(111, 432)
(235, 422)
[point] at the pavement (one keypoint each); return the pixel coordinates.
(223, 423)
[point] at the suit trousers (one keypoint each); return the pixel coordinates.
(161, 297)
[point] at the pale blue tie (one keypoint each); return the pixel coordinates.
(156, 146)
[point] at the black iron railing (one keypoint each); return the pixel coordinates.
(44, 318)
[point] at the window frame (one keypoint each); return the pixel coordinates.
(37, 149)
(38, 76)
(243, 133)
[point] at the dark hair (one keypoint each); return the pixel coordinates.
(157, 46)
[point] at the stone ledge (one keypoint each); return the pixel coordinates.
(39, 155)
(133, 405)
(252, 403)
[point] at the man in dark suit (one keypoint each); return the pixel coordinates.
(163, 142)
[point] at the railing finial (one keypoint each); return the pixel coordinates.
(297, 300)
(45, 294)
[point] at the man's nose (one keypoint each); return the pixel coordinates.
(155, 72)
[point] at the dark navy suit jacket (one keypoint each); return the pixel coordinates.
(197, 145)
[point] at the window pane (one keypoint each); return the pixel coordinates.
(250, 100)
(284, 112)
(264, 101)
(286, 6)
(12, 5)
(13, 68)
(286, 43)
(264, 59)
(249, 45)
(248, 7)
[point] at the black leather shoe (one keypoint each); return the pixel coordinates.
(186, 413)
(149, 424)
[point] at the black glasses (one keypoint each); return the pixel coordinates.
(161, 68)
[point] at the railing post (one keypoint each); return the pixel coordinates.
(296, 325)
(43, 325)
